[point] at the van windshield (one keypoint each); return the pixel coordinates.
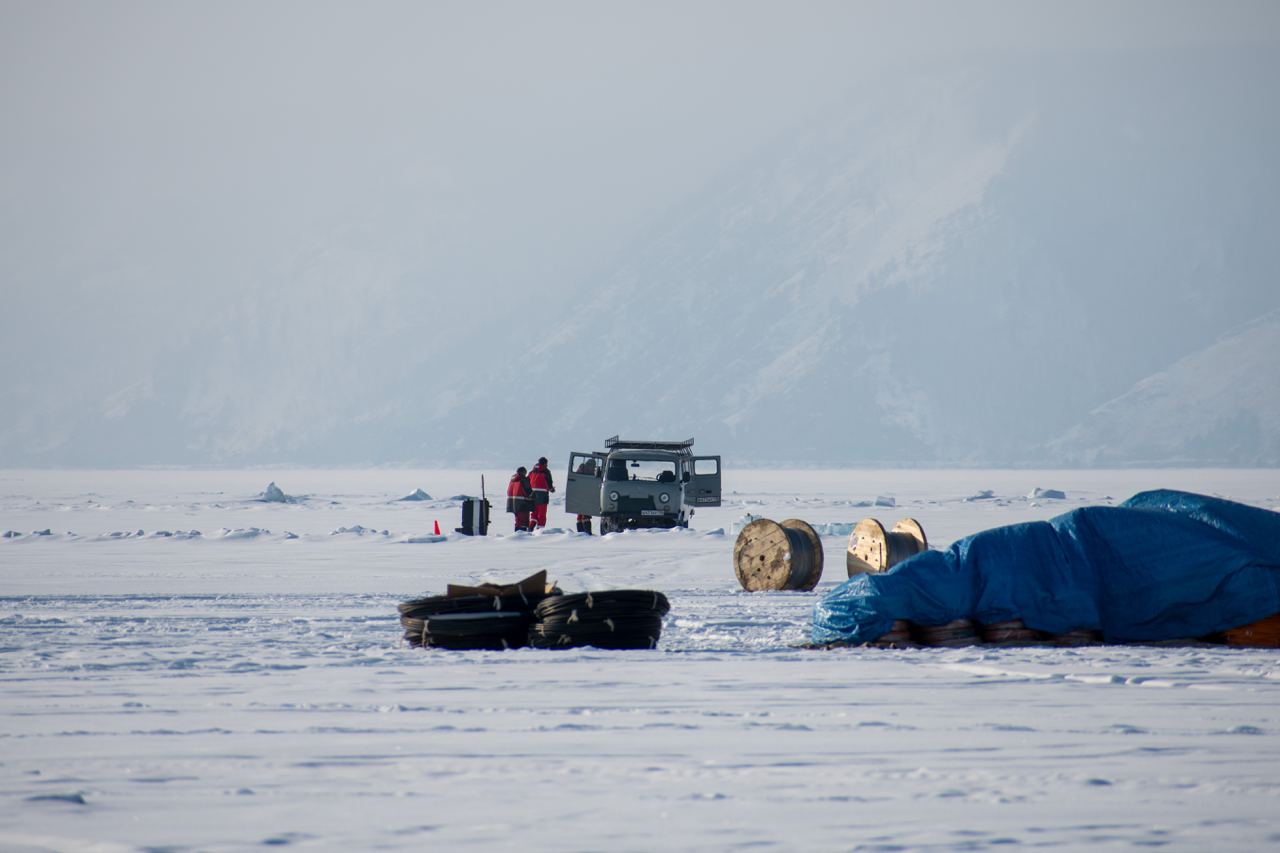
(650, 470)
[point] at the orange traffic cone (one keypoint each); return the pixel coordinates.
(437, 527)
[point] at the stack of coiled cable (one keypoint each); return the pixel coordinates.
(469, 621)
(611, 619)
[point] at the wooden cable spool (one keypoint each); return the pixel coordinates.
(961, 632)
(873, 550)
(899, 633)
(1078, 637)
(1265, 633)
(1013, 632)
(771, 556)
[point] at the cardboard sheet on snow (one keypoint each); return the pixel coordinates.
(1164, 565)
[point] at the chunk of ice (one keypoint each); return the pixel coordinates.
(1048, 494)
(273, 494)
(417, 495)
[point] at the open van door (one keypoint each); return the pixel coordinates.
(703, 487)
(582, 484)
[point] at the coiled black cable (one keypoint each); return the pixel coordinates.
(605, 603)
(631, 635)
(611, 619)
(490, 630)
(436, 604)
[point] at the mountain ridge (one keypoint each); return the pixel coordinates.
(956, 266)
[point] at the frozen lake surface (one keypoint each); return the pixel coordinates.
(247, 686)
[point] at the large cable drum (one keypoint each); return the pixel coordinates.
(769, 555)
(873, 550)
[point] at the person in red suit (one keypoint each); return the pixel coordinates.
(520, 498)
(543, 486)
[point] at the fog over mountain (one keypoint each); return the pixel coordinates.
(1216, 405)
(847, 234)
(955, 267)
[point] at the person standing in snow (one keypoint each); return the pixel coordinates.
(540, 480)
(520, 498)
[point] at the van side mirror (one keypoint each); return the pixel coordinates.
(684, 478)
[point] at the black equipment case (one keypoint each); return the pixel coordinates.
(475, 517)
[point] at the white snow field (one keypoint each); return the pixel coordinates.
(247, 686)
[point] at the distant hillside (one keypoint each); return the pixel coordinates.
(950, 268)
(953, 265)
(1218, 406)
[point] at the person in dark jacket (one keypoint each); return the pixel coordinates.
(520, 498)
(540, 481)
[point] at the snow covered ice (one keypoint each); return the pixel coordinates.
(274, 494)
(1047, 494)
(196, 669)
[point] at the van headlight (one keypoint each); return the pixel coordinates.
(664, 497)
(613, 496)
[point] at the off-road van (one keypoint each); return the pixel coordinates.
(641, 483)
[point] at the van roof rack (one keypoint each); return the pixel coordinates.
(616, 443)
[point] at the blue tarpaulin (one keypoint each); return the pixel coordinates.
(1163, 565)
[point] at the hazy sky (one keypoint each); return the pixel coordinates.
(184, 174)
(506, 141)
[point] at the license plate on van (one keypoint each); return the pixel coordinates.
(651, 512)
